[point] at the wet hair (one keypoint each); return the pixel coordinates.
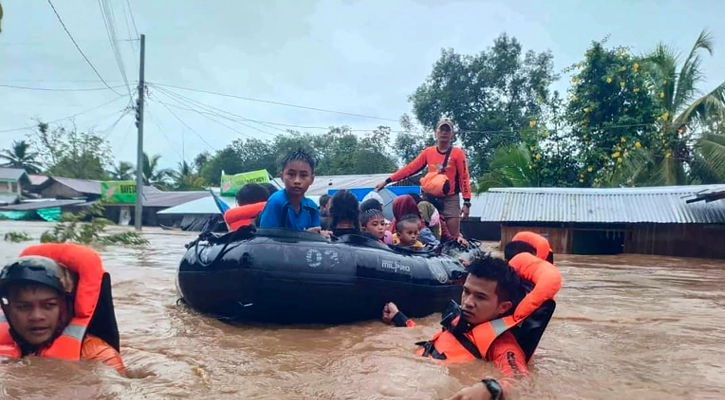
(345, 207)
(324, 199)
(271, 188)
(508, 285)
(407, 219)
(515, 247)
(371, 204)
(299, 155)
(252, 193)
(369, 214)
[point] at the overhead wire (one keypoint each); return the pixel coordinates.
(68, 117)
(158, 125)
(59, 89)
(279, 103)
(190, 128)
(79, 48)
(109, 20)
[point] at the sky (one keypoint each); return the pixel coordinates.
(362, 57)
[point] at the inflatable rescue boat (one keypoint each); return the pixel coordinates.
(282, 276)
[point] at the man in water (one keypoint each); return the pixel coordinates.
(489, 324)
(49, 297)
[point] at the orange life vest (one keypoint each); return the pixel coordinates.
(539, 242)
(88, 265)
(475, 343)
(238, 217)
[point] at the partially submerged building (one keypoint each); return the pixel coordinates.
(655, 220)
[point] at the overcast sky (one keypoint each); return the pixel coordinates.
(362, 57)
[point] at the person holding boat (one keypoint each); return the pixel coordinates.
(56, 303)
(497, 320)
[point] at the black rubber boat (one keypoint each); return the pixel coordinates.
(281, 276)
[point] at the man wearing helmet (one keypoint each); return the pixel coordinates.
(50, 297)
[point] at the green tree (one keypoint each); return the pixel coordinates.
(201, 160)
(123, 171)
(611, 111)
(510, 166)
(185, 178)
(411, 141)
(153, 175)
(490, 96)
(72, 154)
(19, 156)
(226, 160)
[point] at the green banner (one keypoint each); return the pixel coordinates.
(231, 184)
(118, 192)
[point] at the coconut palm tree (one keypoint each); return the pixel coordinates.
(123, 171)
(19, 156)
(510, 166)
(152, 174)
(685, 112)
(186, 179)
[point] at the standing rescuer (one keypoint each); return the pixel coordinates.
(447, 177)
(56, 302)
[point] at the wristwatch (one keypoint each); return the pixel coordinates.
(494, 388)
(467, 203)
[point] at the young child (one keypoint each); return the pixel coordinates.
(372, 220)
(289, 208)
(345, 213)
(251, 199)
(407, 231)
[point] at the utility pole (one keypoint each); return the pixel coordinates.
(139, 124)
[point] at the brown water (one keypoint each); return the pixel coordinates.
(629, 327)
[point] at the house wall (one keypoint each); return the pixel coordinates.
(681, 240)
(9, 187)
(560, 238)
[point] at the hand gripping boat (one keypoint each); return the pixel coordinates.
(282, 276)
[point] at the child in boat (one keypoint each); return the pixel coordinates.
(372, 220)
(251, 199)
(345, 213)
(289, 208)
(407, 231)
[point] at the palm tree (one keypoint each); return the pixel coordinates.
(152, 175)
(19, 157)
(684, 112)
(186, 179)
(123, 171)
(510, 166)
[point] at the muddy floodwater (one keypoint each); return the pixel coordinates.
(626, 327)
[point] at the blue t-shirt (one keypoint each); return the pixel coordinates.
(279, 213)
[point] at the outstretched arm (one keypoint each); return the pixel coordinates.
(391, 315)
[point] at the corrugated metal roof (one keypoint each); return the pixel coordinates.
(87, 186)
(37, 180)
(39, 205)
(13, 174)
(206, 205)
(8, 198)
(622, 205)
(708, 195)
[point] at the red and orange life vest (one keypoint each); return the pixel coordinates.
(547, 282)
(88, 265)
(539, 242)
(238, 217)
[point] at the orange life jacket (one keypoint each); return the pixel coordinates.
(539, 242)
(88, 265)
(238, 217)
(475, 343)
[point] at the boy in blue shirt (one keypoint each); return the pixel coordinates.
(289, 208)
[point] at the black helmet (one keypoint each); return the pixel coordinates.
(37, 269)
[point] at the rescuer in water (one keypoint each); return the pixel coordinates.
(497, 320)
(56, 302)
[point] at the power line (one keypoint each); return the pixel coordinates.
(59, 89)
(79, 48)
(190, 128)
(110, 22)
(133, 20)
(277, 103)
(68, 117)
(158, 125)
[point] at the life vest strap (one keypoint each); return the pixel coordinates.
(429, 350)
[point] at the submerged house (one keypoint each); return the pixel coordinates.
(654, 220)
(12, 183)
